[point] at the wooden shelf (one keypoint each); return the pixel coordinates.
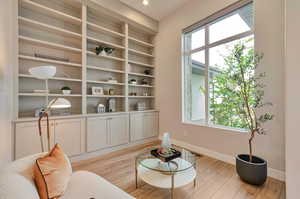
(49, 61)
(105, 69)
(50, 95)
(140, 96)
(50, 12)
(106, 96)
(141, 64)
(142, 43)
(141, 74)
(53, 78)
(64, 19)
(105, 56)
(98, 41)
(103, 82)
(49, 44)
(140, 53)
(105, 30)
(42, 26)
(144, 86)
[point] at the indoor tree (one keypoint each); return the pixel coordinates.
(237, 93)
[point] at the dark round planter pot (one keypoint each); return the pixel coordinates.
(254, 172)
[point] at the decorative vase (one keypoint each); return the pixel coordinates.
(166, 143)
(254, 172)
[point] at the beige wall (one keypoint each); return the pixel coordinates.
(269, 39)
(6, 80)
(292, 98)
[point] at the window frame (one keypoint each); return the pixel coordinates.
(205, 23)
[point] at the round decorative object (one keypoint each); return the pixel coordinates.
(43, 72)
(59, 103)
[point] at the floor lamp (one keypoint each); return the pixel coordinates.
(45, 73)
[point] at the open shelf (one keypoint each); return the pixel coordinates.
(104, 30)
(106, 96)
(103, 82)
(140, 53)
(42, 26)
(105, 56)
(141, 75)
(140, 96)
(49, 61)
(144, 86)
(53, 78)
(50, 12)
(101, 42)
(140, 42)
(49, 44)
(50, 95)
(105, 69)
(141, 64)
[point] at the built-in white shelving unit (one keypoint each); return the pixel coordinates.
(65, 34)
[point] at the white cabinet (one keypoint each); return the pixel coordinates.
(143, 125)
(97, 133)
(105, 132)
(69, 133)
(118, 130)
(27, 139)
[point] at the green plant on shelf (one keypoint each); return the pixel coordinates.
(66, 88)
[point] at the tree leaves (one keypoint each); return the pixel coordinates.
(237, 92)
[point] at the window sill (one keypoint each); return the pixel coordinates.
(202, 124)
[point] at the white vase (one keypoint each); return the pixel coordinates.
(166, 143)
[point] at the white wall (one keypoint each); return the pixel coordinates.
(269, 39)
(6, 80)
(292, 99)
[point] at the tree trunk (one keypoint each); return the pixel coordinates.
(250, 147)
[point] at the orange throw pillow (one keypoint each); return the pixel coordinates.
(52, 174)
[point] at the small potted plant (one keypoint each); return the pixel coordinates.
(66, 90)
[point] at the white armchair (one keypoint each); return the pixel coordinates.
(16, 182)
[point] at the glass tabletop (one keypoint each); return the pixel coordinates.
(148, 161)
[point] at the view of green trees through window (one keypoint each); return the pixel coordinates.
(225, 87)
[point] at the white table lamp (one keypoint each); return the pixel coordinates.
(44, 73)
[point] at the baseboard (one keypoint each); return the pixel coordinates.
(273, 173)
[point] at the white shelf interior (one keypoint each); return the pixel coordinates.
(58, 33)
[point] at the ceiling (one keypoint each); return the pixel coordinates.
(157, 9)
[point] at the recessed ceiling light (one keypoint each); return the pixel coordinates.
(146, 2)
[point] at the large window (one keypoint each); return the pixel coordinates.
(205, 48)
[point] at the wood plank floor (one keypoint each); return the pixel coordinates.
(216, 179)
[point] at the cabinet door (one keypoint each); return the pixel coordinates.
(27, 139)
(97, 133)
(150, 125)
(136, 127)
(69, 134)
(118, 130)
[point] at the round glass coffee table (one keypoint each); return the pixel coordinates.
(173, 174)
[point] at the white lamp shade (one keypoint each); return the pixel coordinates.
(43, 72)
(59, 103)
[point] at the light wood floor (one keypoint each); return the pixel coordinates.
(216, 179)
